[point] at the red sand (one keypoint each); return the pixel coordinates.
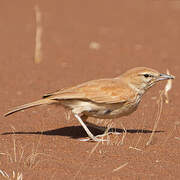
(130, 33)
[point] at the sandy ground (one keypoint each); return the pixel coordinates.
(41, 143)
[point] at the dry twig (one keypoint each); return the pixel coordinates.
(167, 88)
(38, 43)
(160, 105)
(120, 167)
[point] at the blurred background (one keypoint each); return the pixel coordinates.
(81, 40)
(86, 39)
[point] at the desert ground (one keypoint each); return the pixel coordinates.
(83, 40)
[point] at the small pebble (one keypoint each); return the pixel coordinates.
(94, 45)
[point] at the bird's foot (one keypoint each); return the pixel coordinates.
(98, 138)
(94, 139)
(114, 133)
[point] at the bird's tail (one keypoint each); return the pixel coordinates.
(29, 105)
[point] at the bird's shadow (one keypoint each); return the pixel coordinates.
(78, 132)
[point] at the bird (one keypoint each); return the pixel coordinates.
(106, 98)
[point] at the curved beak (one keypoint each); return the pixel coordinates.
(165, 77)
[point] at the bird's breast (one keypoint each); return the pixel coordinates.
(102, 110)
(111, 111)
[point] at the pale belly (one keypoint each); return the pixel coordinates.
(102, 111)
(112, 112)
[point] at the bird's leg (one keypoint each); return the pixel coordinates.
(104, 129)
(96, 127)
(86, 129)
(107, 131)
(113, 131)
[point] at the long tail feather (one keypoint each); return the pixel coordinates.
(29, 105)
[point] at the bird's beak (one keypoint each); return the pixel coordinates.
(165, 77)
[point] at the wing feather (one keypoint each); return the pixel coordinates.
(100, 91)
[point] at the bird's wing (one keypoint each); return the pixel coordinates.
(99, 91)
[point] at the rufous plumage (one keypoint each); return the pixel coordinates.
(103, 98)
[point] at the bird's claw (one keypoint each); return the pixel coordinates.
(95, 139)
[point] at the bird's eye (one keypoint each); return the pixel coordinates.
(147, 75)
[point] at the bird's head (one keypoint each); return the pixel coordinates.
(142, 78)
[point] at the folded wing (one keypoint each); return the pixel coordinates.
(100, 91)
